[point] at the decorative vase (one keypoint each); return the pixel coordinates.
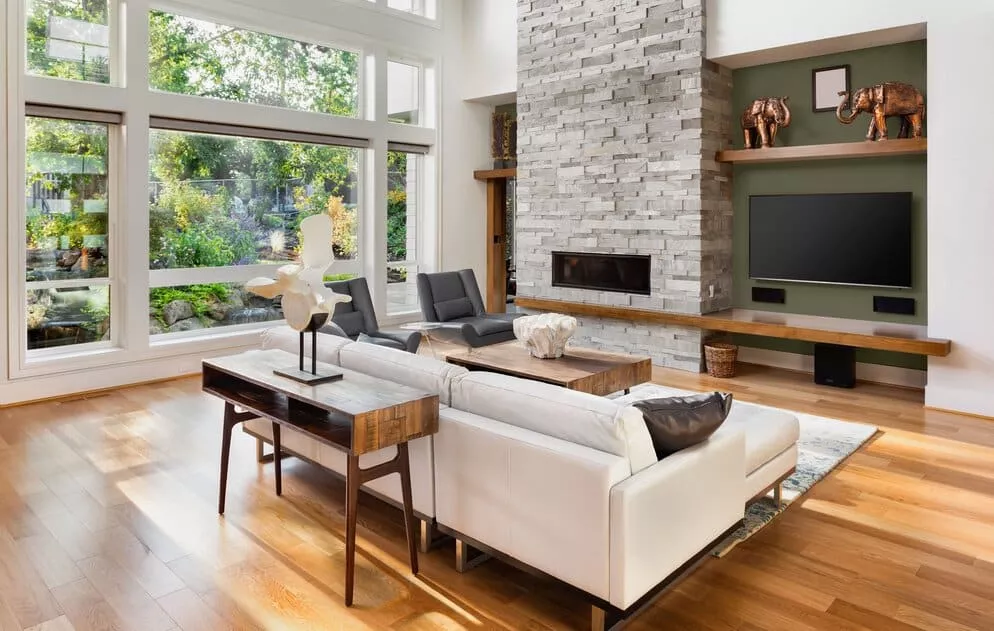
(545, 335)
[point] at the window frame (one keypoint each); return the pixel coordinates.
(24, 359)
(130, 95)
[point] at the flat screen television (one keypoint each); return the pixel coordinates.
(841, 238)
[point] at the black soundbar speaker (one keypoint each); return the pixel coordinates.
(769, 294)
(835, 365)
(889, 304)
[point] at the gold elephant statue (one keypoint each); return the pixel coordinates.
(883, 100)
(765, 116)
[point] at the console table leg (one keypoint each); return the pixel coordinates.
(404, 463)
(352, 483)
(229, 424)
(277, 459)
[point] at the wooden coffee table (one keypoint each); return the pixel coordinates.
(356, 414)
(585, 370)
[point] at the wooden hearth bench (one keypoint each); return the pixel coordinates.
(884, 336)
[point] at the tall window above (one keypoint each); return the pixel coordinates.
(188, 56)
(403, 93)
(67, 232)
(69, 39)
(424, 8)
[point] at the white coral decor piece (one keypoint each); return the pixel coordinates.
(302, 286)
(545, 335)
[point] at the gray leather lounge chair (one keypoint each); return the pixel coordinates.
(454, 298)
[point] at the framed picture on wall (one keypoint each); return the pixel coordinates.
(826, 83)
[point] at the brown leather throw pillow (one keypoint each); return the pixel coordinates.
(676, 423)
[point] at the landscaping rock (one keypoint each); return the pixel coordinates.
(155, 327)
(190, 324)
(175, 311)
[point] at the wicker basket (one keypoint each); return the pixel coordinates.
(720, 359)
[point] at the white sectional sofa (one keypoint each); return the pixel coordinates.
(562, 482)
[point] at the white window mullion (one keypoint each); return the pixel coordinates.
(374, 224)
(7, 20)
(133, 189)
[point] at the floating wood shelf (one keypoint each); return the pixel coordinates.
(495, 174)
(884, 336)
(865, 149)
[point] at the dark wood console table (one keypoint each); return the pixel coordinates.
(357, 414)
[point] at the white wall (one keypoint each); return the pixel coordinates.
(464, 147)
(490, 50)
(960, 186)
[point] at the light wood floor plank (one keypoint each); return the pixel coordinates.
(122, 487)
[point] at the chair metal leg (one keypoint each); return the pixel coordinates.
(464, 562)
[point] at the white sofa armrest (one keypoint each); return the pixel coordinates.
(539, 499)
(663, 516)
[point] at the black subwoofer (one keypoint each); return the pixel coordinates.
(835, 365)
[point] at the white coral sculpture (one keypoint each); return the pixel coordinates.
(302, 285)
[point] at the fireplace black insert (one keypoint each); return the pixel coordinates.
(626, 273)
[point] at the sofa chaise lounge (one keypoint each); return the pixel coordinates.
(562, 482)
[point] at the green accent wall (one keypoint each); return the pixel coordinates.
(899, 62)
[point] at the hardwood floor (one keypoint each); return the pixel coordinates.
(108, 521)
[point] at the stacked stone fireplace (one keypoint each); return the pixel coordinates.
(619, 118)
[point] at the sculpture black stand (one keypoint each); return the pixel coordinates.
(312, 378)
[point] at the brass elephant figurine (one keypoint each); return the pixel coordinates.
(766, 116)
(883, 100)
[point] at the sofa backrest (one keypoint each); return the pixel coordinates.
(409, 369)
(577, 417)
(285, 338)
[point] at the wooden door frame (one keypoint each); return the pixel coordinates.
(496, 282)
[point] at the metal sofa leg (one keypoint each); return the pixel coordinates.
(598, 619)
(464, 561)
(427, 536)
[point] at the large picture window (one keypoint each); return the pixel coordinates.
(67, 232)
(151, 198)
(222, 201)
(188, 56)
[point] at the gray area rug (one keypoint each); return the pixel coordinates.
(823, 445)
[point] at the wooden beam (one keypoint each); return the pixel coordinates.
(865, 149)
(882, 336)
(495, 174)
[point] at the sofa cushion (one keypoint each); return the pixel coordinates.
(452, 309)
(768, 432)
(285, 338)
(675, 423)
(578, 417)
(409, 369)
(485, 325)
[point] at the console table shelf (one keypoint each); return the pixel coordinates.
(864, 149)
(884, 336)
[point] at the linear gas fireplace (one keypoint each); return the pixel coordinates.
(624, 273)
